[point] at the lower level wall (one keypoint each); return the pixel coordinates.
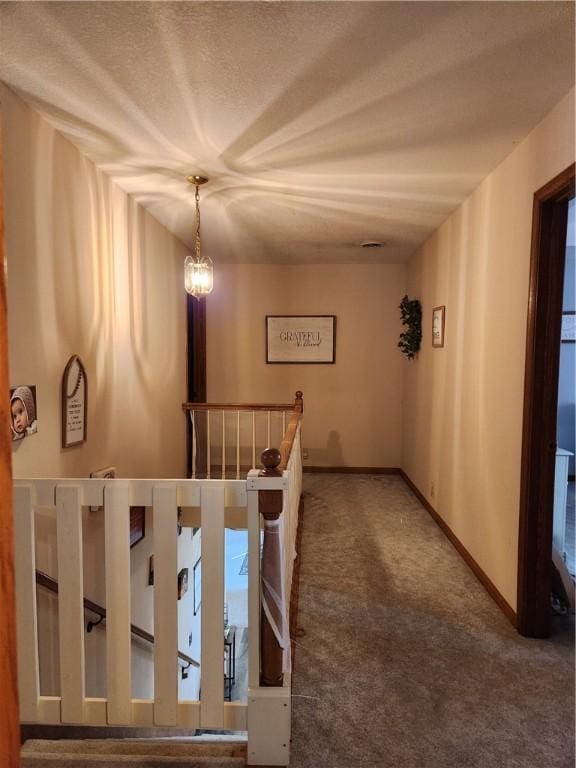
(142, 607)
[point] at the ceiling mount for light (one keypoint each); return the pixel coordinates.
(198, 270)
(196, 180)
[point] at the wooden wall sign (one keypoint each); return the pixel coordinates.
(300, 339)
(74, 403)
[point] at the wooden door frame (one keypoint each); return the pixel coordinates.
(9, 715)
(548, 257)
(196, 372)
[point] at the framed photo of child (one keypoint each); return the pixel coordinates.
(23, 411)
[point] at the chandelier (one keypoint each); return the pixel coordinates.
(198, 270)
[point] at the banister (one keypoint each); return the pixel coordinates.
(289, 436)
(46, 581)
(236, 407)
(270, 504)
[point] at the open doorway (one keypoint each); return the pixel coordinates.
(539, 443)
(564, 531)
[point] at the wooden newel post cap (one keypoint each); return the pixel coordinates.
(271, 459)
(299, 399)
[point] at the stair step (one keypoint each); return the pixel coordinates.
(185, 748)
(55, 760)
(147, 753)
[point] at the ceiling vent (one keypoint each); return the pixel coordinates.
(372, 244)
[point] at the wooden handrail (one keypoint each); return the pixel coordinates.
(288, 439)
(236, 407)
(270, 505)
(43, 580)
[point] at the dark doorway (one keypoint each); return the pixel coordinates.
(196, 368)
(550, 214)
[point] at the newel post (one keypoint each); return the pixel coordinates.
(299, 401)
(270, 507)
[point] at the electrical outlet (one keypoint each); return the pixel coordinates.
(432, 490)
(305, 453)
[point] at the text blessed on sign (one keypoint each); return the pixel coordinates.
(300, 338)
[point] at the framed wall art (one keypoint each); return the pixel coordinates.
(438, 321)
(568, 327)
(301, 339)
(182, 583)
(74, 403)
(23, 411)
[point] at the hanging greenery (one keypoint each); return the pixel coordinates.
(411, 315)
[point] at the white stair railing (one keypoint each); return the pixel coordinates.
(205, 504)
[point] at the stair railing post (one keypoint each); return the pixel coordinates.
(270, 507)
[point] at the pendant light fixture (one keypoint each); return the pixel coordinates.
(198, 270)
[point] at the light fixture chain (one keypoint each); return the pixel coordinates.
(198, 271)
(197, 243)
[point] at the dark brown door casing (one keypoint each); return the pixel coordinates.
(540, 403)
(196, 368)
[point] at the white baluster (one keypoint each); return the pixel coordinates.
(237, 445)
(193, 418)
(253, 590)
(223, 445)
(165, 607)
(208, 444)
(26, 612)
(118, 638)
(70, 602)
(212, 621)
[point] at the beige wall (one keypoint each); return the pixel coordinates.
(463, 403)
(352, 408)
(90, 273)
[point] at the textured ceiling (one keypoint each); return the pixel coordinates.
(320, 124)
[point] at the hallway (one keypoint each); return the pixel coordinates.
(405, 661)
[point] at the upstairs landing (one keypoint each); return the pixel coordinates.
(406, 662)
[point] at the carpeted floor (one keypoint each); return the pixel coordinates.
(406, 662)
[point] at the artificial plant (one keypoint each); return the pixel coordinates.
(411, 315)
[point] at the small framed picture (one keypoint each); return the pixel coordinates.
(23, 411)
(438, 319)
(182, 583)
(569, 327)
(197, 586)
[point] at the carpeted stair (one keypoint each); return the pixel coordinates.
(120, 753)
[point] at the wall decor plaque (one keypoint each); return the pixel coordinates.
(74, 403)
(300, 339)
(438, 321)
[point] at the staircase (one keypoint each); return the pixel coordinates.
(144, 753)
